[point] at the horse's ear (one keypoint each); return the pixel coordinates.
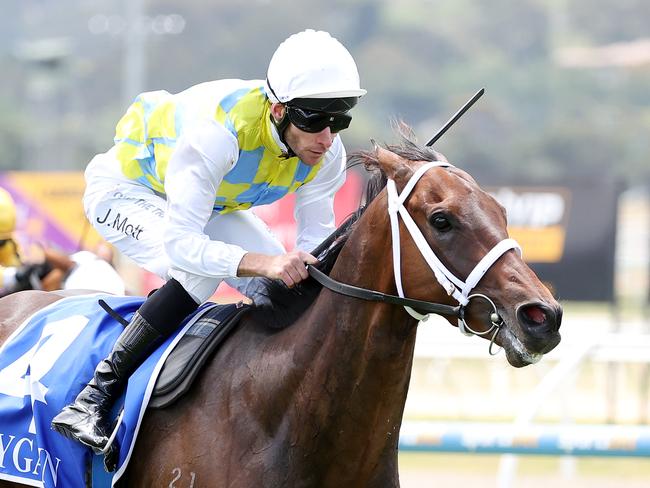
(389, 162)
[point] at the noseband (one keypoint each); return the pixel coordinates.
(454, 286)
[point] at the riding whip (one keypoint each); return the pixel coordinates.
(456, 116)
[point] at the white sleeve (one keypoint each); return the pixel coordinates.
(203, 155)
(8, 277)
(314, 208)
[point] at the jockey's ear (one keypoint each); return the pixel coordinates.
(277, 111)
(390, 163)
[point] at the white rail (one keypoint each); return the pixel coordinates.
(586, 338)
(534, 439)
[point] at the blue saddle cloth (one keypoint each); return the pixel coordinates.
(44, 365)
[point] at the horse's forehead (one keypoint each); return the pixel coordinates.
(456, 192)
(447, 183)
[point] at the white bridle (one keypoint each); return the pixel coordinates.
(454, 286)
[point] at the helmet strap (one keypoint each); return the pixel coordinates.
(281, 126)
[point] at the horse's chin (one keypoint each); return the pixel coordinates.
(516, 353)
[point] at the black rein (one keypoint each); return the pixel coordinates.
(376, 296)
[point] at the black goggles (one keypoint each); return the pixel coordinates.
(314, 121)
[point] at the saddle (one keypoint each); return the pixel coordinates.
(190, 354)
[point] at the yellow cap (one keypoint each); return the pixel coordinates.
(7, 214)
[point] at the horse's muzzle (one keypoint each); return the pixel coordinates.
(541, 324)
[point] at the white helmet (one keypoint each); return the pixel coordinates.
(312, 64)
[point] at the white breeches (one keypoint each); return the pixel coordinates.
(131, 217)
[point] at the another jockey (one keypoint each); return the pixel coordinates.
(174, 193)
(14, 275)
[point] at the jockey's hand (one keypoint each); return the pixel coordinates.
(289, 267)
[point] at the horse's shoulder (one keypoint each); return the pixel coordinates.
(15, 308)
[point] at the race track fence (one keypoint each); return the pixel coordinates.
(522, 436)
(540, 439)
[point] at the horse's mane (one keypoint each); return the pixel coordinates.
(278, 306)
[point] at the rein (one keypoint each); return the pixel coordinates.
(454, 286)
(377, 296)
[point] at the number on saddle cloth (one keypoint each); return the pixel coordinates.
(43, 365)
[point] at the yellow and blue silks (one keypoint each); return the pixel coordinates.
(146, 136)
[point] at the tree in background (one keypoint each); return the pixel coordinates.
(420, 60)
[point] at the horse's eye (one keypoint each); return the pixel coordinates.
(440, 222)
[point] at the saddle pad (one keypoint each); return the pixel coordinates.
(192, 351)
(43, 366)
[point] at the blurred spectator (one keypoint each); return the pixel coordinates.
(14, 274)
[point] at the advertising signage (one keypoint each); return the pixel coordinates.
(567, 232)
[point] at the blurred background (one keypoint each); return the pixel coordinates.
(561, 138)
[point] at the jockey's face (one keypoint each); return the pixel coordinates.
(310, 147)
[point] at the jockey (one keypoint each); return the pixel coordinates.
(174, 194)
(14, 275)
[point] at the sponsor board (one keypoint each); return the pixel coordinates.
(537, 219)
(49, 209)
(567, 232)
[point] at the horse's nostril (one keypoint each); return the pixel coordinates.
(540, 316)
(534, 314)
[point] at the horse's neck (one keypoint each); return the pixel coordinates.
(358, 357)
(376, 338)
(320, 402)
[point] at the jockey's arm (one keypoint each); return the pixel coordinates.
(314, 214)
(202, 157)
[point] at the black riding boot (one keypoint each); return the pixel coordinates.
(86, 420)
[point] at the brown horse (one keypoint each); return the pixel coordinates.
(311, 390)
